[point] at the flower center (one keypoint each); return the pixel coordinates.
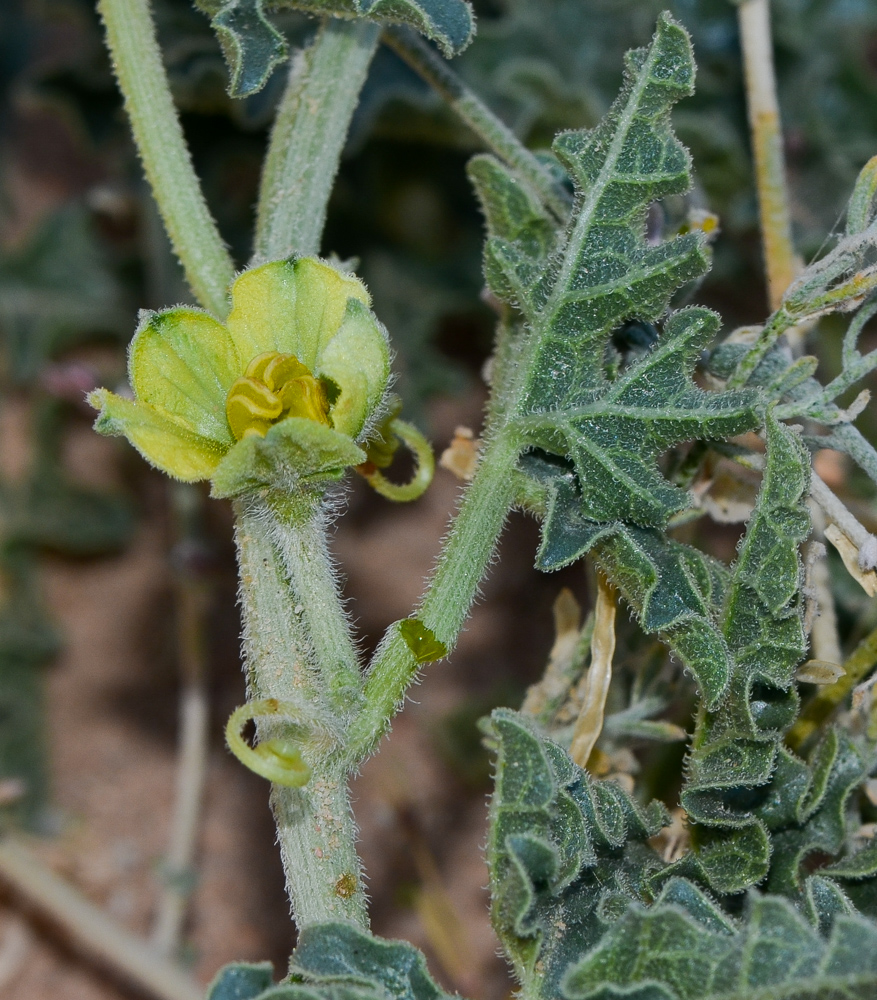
(274, 386)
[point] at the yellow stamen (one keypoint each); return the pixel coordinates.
(275, 386)
(305, 397)
(282, 368)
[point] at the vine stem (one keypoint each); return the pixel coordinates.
(143, 81)
(767, 142)
(466, 554)
(493, 132)
(298, 650)
(308, 137)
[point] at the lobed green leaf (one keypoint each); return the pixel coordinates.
(576, 289)
(565, 853)
(253, 47)
(672, 953)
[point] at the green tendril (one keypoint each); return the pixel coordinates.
(385, 448)
(279, 759)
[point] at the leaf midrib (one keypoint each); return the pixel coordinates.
(585, 220)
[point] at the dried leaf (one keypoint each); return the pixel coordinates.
(849, 553)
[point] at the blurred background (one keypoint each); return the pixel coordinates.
(117, 588)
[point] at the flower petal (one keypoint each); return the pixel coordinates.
(357, 359)
(161, 440)
(323, 295)
(182, 363)
(293, 451)
(291, 306)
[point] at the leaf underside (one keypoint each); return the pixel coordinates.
(253, 47)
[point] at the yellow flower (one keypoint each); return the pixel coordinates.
(281, 393)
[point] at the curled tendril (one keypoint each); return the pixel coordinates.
(279, 760)
(381, 453)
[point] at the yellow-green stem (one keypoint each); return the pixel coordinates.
(166, 161)
(295, 645)
(445, 605)
(309, 133)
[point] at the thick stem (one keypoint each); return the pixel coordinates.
(454, 585)
(493, 132)
(767, 143)
(297, 528)
(166, 161)
(284, 626)
(308, 137)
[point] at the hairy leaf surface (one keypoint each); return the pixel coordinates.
(253, 47)
(736, 743)
(587, 911)
(566, 853)
(672, 952)
(335, 961)
(576, 289)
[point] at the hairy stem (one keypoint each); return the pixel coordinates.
(298, 532)
(466, 555)
(166, 161)
(292, 623)
(308, 137)
(767, 143)
(777, 324)
(851, 440)
(494, 133)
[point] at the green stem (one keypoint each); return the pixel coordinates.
(166, 161)
(308, 137)
(298, 532)
(775, 327)
(296, 634)
(495, 134)
(445, 605)
(283, 628)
